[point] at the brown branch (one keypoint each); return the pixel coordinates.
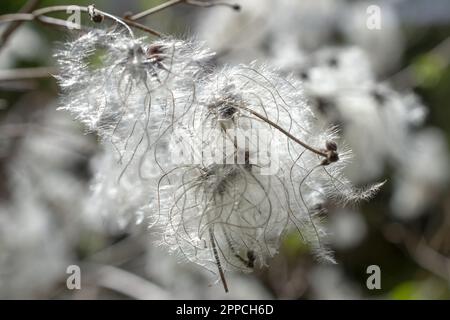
(208, 4)
(125, 282)
(286, 133)
(26, 73)
(427, 257)
(28, 14)
(420, 251)
(28, 7)
(172, 3)
(154, 10)
(405, 78)
(40, 14)
(50, 21)
(216, 257)
(142, 27)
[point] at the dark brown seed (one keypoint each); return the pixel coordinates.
(98, 18)
(333, 156)
(251, 258)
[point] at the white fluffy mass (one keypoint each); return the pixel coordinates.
(221, 163)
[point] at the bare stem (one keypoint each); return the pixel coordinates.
(26, 73)
(422, 253)
(137, 25)
(406, 78)
(156, 9)
(276, 126)
(172, 3)
(40, 15)
(125, 282)
(28, 7)
(208, 4)
(27, 14)
(216, 257)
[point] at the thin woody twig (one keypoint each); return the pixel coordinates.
(428, 258)
(421, 252)
(405, 78)
(172, 3)
(40, 14)
(28, 7)
(58, 22)
(142, 27)
(125, 282)
(208, 4)
(26, 73)
(28, 14)
(154, 10)
(216, 257)
(288, 134)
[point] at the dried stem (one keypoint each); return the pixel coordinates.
(208, 4)
(27, 14)
(139, 26)
(216, 257)
(26, 73)
(125, 282)
(273, 124)
(156, 9)
(406, 78)
(422, 253)
(28, 7)
(40, 15)
(172, 3)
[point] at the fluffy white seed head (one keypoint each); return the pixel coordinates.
(214, 203)
(222, 162)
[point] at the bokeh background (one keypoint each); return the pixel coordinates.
(46, 167)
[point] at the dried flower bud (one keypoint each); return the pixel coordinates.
(94, 14)
(331, 146)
